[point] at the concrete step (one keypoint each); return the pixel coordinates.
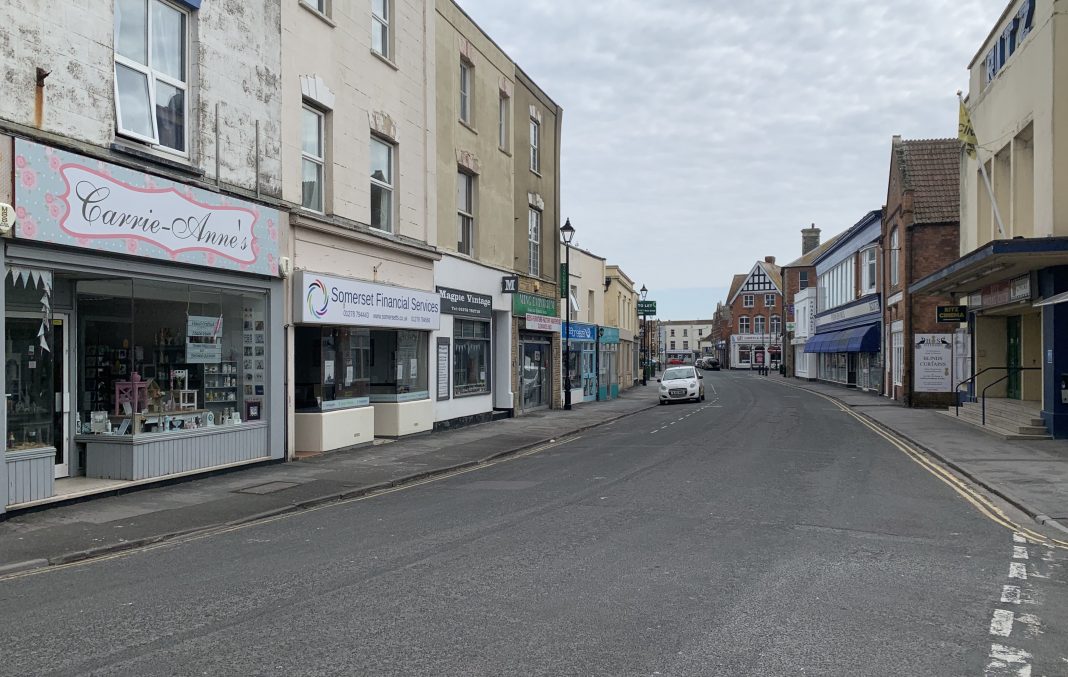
(1005, 418)
(1012, 407)
(1015, 426)
(997, 431)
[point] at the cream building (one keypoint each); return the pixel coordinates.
(591, 362)
(682, 338)
(621, 313)
(1013, 270)
(358, 160)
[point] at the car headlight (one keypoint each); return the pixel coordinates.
(693, 384)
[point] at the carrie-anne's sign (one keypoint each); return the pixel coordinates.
(72, 200)
(324, 299)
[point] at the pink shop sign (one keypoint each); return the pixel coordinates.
(68, 199)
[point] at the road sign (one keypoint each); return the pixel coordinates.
(952, 314)
(647, 307)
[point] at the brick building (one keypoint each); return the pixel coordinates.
(755, 306)
(797, 276)
(721, 328)
(920, 232)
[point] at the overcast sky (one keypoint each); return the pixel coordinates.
(702, 135)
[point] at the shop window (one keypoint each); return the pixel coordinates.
(471, 349)
(163, 357)
(331, 368)
(399, 365)
(29, 360)
(151, 63)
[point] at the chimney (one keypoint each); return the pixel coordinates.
(810, 239)
(769, 259)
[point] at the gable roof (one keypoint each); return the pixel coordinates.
(810, 258)
(736, 284)
(930, 168)
(772, 271)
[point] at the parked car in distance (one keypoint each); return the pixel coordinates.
(681, 383)
(675, 360)
(710, 363)
(699, 363)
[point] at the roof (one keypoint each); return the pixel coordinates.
(773, 272)
(930, 168)
(736, 284)
(809, 258)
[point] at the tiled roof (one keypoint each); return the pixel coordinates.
(931, 170)
(808, 258)
(773, 271)
(736, 284)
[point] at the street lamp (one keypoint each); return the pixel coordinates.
(645, 339)
(567, 233)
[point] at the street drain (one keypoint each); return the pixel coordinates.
(268, 488)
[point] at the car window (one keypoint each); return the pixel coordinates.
(678, 372)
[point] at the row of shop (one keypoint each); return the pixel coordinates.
(155, 329)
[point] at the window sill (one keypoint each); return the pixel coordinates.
(385, 59)
(481, 393)
(319, 15)
(146, 155)
(468, 125)
(505, 151)
(536, 173)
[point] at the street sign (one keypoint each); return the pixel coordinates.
(647, 307)
(952, 314)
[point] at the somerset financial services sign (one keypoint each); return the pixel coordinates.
(323, 299)
(67, 199)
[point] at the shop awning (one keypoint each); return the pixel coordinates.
(993, 262)
(863, 339)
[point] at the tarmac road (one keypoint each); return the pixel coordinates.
(762, 532)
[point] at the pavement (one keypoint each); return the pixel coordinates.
(1031, 475)
(113, 523)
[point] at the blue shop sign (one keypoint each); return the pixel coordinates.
(582, 332)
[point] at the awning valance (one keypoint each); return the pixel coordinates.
(864, 339)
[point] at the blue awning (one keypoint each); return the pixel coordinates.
(863, 339)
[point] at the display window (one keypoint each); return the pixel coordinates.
(399, 365)
(332, 368)
(29, 361)
(471, 355)
(158, 357)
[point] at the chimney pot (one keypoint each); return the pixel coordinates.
(769, 259)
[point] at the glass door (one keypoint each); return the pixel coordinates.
(61, 383)
(534, 375)
(1012, 359)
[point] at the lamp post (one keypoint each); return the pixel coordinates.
(645, 339)
(567, 233)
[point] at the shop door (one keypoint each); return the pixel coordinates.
(61, 380)
(1012, 359)
(533, 376)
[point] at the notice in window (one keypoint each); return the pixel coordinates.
(443, 369)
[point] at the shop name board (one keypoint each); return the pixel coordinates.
(609, 335)
(848, 313)
(542, 323)
(1019, 26)
(531, 304)
(647, 307)
(951, 314)
(65, 198)
(459, 302)
(577, 331)
(933, 370)
(323, 299)
(1001, 293)
(509, 284)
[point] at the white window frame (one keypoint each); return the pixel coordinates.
(390, 187)
(775, 326)
(319, 160)
(466, 82)
(534, 242)
(466, 219)
(151, 76)
(898, 342)
(748, 300)
(503, 107)
(769, 300)
(382, 23)
(743, 324)
(869, 270)
(535, 146)
(760, 325)
(894, 249)
(802, 279)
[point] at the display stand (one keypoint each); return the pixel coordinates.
(134, 392)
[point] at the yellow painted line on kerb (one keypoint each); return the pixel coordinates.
(267, 520)
(980, 502)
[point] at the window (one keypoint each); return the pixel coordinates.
(534, 242)
(399, 365)
(685, 332)
(776, 324)
(320, 6)
(802, 279)
(331, 367)
(381, 185)
(502, 122)
(898, 342)
(470, 357)
(769, 300)
(465, 207)
(747, 301)
(893, 257)
(535, 142)
(685, 345)
(700, 332)
(867, 271)
(380, 27)
(758, 324)
(673, 345)
(672, 332)
(743, 324)
(313, 159)
(589, 306)
(465, 92)
(151, 61)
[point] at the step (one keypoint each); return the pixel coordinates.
(1015, 407)
(1016, 426)
(996, 431)
(1008, 418)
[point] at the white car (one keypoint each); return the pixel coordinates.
(681, 383)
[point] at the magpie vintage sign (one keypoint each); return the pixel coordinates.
(68, 199)
(460, 302)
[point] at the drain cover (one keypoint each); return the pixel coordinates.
(268, 488)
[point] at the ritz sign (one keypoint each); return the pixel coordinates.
(1019, 26)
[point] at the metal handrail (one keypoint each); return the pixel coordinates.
(1011, 370)
(956, 390)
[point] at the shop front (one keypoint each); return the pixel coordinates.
(751, 351)
(538, 339)
(610, 364)
(471, 373)
(360, 361)
(142, 329)
(582, 362)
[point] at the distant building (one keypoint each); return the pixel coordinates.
(756, 305)
(683, 338)
(799, 307)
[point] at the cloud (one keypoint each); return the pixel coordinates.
(708, 133)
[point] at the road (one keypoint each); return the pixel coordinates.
(764, 531)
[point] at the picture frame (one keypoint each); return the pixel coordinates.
(259, 390)
(252, 410)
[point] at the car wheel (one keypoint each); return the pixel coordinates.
(702, 397)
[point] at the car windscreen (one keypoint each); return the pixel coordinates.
(672, 374)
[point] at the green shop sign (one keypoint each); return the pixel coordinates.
(523, 304)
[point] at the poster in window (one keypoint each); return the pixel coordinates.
(444, 352)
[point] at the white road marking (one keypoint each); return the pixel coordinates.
(1019, 538)
(1019, 552)
(1001, 623)
(1032, 625)
(1005, 660)
(1010, 594)
(1018, 570)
